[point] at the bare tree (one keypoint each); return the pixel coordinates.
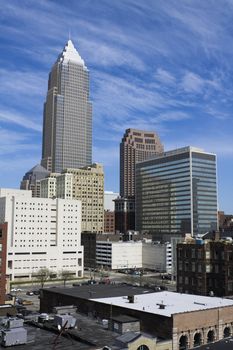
(43, 275)
(66, 275)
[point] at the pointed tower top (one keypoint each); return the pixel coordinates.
(70, 53)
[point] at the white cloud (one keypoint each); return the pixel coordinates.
(16, 82)
(173, 116)
(16, 118)
(164, 76)
(191, 82)
(194, 83)
(103, 54)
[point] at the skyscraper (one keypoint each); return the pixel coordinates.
(67, 126)
(177, 193)
(136, 145)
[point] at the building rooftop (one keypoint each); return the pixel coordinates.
(224, 344)
(99, 291)
(167, 303)
(70, 53)
(175, 152)
(124, 319)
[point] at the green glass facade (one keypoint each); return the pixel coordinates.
(176, 193)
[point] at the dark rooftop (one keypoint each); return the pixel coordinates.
(128, 337)
(96, 291)
(224, 344)
(90, 334)
(124, 319)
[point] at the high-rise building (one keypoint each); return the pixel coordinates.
(67, 126)
(177, 193)
(85, 184)
(136, 146)
(31, 180)
(39, 233)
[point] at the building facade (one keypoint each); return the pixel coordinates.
(119, 255)
(31, 180)
(186, 320)
(205, 267)
(41, 233)
(109, 197)
(85, 184)
(124, 214)
(136, 145)
(67, 126)
(177, 193)
(3, 256)
(109, 221)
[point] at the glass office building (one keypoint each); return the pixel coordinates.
(67, 127)
(176, 193)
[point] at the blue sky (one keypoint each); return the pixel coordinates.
(158, 65)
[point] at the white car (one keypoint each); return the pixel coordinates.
(14, 290)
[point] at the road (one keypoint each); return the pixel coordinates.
(150, 279)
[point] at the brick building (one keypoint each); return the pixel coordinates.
(109, 221)
(186, 320)
(205, 267)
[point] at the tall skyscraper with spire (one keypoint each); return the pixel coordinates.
(67, 125)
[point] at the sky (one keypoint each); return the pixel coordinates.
(165, 66)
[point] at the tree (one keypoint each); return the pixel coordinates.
(66, 275)
(43, 275)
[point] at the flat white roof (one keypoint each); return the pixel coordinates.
(174, 302)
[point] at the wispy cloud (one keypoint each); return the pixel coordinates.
(107, 55)
(163, 76)
(193, 83)
(16, 82)
(14, 117)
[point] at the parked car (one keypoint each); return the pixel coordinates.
(29, 292)
(91, 282)
(15, 290)
(36, 292)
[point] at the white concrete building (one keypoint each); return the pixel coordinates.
(42, 233)
(119, 255)
(130, 254)
(48, 186)
(109, 196)
(154, 256)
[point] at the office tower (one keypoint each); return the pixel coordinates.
(41, 233)
(31, 180)
(136, 146)
(85, 184)
(67, 126)
(177, 193)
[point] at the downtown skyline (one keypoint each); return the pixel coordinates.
(158, 66)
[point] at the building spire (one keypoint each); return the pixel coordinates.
(70, 53)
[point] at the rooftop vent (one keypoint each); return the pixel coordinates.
(131, 299)
(161, 305)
